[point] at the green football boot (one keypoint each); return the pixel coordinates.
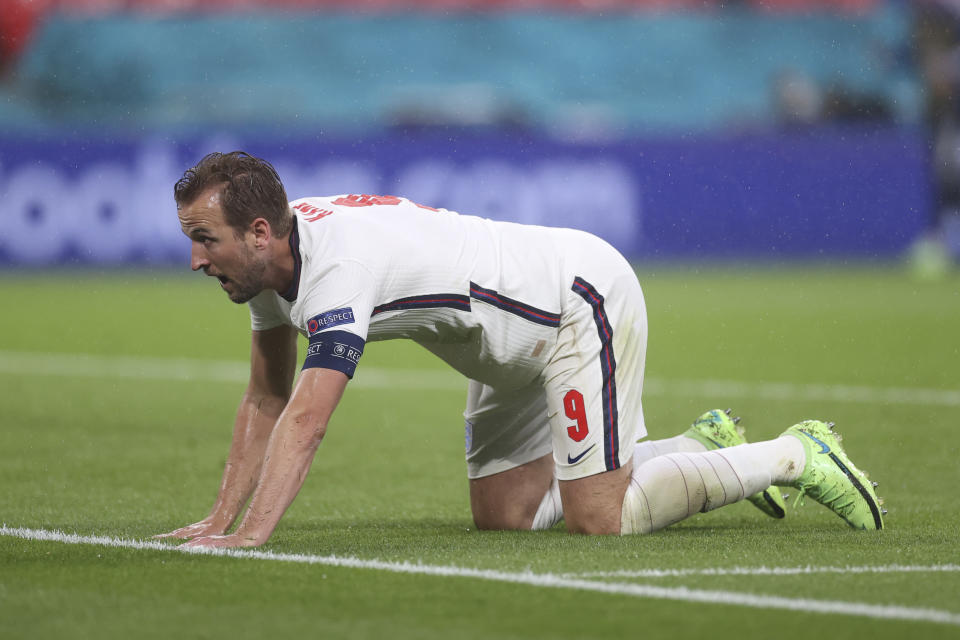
(717, 430)
(830, 478)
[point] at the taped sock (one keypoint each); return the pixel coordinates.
(649, 449)
(550, 511)
(635, 516)
(783, 458)
(673, 487)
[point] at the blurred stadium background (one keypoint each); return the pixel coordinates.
(823, 133)
(677, 129)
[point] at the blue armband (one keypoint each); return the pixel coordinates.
(338, 350)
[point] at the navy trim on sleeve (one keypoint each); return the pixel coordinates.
(337, 350)
(451, 300)
(515, 307)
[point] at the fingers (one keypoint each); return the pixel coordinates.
(204, 541)
(212, 542)
(190, 531)
(203, 534)
(179, 533)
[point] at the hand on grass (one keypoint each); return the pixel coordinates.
(206, 527)
(232, 540)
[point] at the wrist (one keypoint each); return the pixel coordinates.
(251, 535)
(255, 529)
(220, 520)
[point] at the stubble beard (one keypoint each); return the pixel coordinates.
(251, 283)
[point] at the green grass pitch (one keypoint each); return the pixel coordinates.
(129, 440)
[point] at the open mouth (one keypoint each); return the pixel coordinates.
(223, 279)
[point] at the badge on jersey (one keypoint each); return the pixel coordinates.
(329, 319)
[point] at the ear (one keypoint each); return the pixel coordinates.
(261, 231)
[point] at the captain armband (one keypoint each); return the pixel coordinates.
(338, 350)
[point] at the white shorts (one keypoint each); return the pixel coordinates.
(585, 407)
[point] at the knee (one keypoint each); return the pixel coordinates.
(593, 505)
(510, 499)
(497, 521)
(594, 526)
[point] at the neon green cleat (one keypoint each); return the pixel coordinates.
(830, 478)
(717, 430)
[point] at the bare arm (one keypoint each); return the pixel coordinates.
(273, 357)
(290, 452)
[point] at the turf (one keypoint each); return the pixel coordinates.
(132, 455)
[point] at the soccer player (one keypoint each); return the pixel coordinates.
(549, 326)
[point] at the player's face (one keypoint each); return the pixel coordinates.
(218, 250)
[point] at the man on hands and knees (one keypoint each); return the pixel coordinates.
(548, 325)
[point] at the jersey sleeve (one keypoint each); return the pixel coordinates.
(265, 311)
(337, 307)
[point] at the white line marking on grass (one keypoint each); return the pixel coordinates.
(192, 369)
(548, 580)
(766, 571)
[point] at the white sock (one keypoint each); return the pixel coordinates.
(550, 511)
(783, 457)
(649, 449)
(670, 488)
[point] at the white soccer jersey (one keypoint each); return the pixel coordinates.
(484, 296)
(549, 324)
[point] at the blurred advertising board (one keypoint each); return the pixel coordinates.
(861, 193)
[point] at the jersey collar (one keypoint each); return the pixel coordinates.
(290, 295)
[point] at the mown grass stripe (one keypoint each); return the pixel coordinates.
(81, 365)
(804, 392)
(189, 369)
(546, 580)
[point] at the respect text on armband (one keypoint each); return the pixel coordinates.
(329, 319)
(335, 349)
(347, 352)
